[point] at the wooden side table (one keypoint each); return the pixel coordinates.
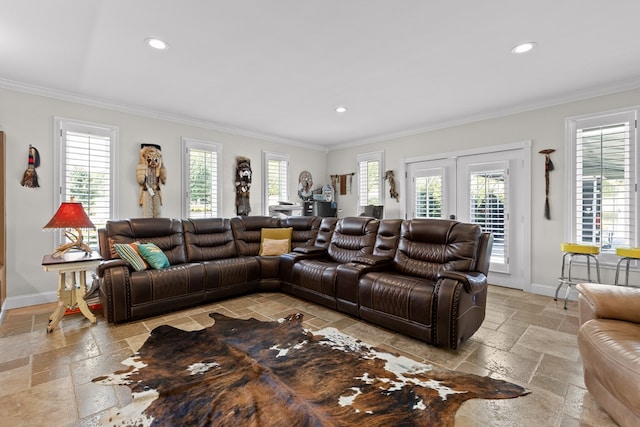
(72, 283)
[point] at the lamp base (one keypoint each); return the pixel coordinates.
(77, 243)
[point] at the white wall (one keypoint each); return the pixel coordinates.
(544, 127)
(29, 119)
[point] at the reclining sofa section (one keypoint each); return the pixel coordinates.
(425, 278)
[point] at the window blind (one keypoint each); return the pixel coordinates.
(489, 202)
(605, 193)
(369, 179)
(277, 176)
(86, 175)
(202, 196)
(428, 194)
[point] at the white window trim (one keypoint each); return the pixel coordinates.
(266, 156)
(61, 123)
(365, 157)
(593, 120)
(199, 144)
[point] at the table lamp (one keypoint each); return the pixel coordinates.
(71, 215)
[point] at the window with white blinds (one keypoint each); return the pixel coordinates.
(428, 194)
(604, 169)
(276, 178)
(87, 170)
(370, 167)
(200, 189)
(488, 206)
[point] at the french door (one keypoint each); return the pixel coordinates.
(489, 189)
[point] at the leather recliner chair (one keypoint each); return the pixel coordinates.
(609, 343)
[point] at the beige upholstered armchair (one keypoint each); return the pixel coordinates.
(609, 343)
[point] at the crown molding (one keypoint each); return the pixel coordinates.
(149, 113)
(591, 92)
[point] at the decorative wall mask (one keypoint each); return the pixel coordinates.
(548, 167)
(151, 174)
(305, 182)
(243, 186)
(30, 177)
(388, 176)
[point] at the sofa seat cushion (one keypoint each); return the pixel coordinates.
(318, 275)
(610, 352)
(172, 282)
(397, 295)
(230, 271)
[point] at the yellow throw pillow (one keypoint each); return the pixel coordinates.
(275, 246)
(276, 234)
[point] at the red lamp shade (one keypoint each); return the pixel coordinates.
(71, 215)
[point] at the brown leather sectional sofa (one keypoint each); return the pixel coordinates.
(425, 278)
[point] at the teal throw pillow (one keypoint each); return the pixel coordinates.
(153, 255)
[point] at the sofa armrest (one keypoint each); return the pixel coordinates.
(608, 302)
(370, 259)
(116, 262)
(310, 250)
(473, 281)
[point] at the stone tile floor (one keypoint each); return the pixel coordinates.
(45, 379)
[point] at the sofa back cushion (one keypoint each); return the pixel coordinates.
(352, 237)
(323, 239)
(208, 239)
(428, 246)
(247, 231)
(304, 229)
(387, 237)
(165, 233)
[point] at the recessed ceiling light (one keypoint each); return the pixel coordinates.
(523, 47)
(157, 43)
(341, 109)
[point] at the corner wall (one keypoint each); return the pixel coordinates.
(545, 127)
(29, 119)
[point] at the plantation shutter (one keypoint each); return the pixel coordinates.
(488, 205)
(605, 213)
(428, 195)
(202, 195)
(370, 179)
(276, 178)
(277, 181)
(86, 173)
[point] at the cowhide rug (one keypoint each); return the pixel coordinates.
(253, 373)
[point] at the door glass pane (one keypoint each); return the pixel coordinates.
(428, 196)
(488, 205)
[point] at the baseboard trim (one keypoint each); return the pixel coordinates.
(550, 291)
(28, 300)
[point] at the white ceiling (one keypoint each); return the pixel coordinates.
(278, 68)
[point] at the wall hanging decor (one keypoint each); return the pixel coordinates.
(388, 176)
(243, 186)
(548, 167)
(151, 174)
(342, 183)
(305, 182)
(30, 177)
